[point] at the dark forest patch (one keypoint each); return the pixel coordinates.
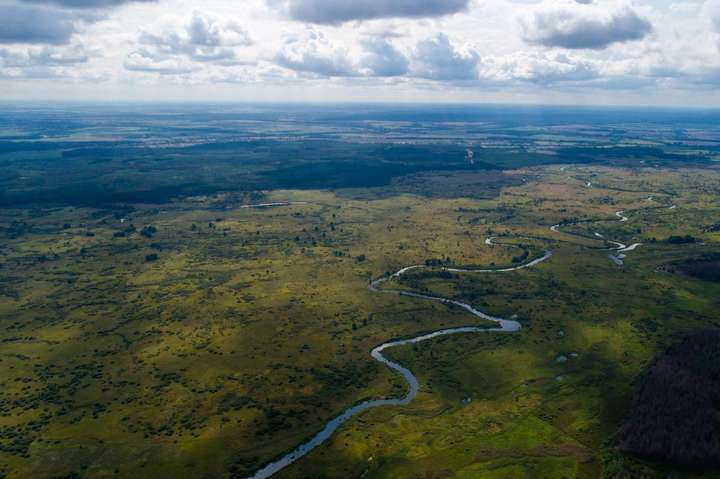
(675, 417)
(706, 267)
(457, 184)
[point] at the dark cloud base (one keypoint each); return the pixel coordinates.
(101, 4)
(566, 29)
(340, 11)
(31, 24)
(51, 22)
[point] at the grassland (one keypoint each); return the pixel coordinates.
(206, 339)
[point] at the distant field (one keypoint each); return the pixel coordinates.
(90, 155)
(192, 337)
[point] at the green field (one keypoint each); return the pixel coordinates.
(201, 339)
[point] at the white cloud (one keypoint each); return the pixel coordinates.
(712, 11)
(312, 53)
(538, 67)
(438, 59)
(409, 49)
(382, 59)
(200, 38)
(41, 62)
(144, 61)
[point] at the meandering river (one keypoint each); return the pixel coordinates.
(504, 326)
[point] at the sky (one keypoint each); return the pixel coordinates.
(599, 52)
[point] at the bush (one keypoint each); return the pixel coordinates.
(148, 231)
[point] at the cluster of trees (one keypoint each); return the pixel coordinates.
(437, 263)
(147, 231)
(522, 257)
(675, 417)
(687, 239)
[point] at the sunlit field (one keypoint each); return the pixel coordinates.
(202, 338)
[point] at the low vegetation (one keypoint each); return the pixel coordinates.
(161, 340)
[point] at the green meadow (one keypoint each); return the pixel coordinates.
(200, 338)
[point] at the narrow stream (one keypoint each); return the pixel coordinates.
(619, 249)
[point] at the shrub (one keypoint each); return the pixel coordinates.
(148, 231)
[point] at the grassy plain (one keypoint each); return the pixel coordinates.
(223, 336)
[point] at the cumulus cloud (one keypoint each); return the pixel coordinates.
(313, 53)
(45, 56)
(147, 62)
(341, 11)
(382, 59)
(583, 25)
(438, 59)
(434, 58)
(41, 62)
(544, 68)
(203, 38)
